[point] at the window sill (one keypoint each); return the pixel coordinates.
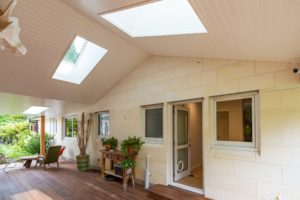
(235, 148)
(69, 138)
(103, 136)
(154, 140)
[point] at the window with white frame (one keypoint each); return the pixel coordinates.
(71, 127)
(153, 125)
(235, 120)
(103, 123)
(52, 126)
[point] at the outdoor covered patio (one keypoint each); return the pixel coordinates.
(62, 183)
(187, 97)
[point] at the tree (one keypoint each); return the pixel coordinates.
(71, 55)
(13, 128)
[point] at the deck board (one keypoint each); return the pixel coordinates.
(162, 192)
(63, 183)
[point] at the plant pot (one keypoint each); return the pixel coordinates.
(82, 162)
(128, 171)
(107, 147)
(131, 150)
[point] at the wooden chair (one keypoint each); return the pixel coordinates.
(51, 157)
(62, 149)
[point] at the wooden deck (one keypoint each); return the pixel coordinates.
(63, 183)
(162, 192)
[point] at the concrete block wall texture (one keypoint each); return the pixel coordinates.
(229, 174)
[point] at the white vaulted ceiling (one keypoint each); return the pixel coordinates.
(47, 29)
(237, 29)
(17, 104)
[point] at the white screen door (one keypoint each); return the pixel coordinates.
(181, 145)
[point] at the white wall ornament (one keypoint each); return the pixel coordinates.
(10, 30)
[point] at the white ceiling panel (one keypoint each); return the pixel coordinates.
(237, 29)
(17, 104)
(47, 30)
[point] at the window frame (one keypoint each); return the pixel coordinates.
(251, 146)
(153, 140)
(79, 55)
(98, 124)
(53, 125)
(64, 126)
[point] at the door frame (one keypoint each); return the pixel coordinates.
(170, 172)
(175, 146)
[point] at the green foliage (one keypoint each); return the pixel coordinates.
(13, 151)
(71, 55)
(16, 137)
(128, 163)
(71, 129)
(8, 119)
(11, 131)
(248, 130)
(134, 142)
(33, 144)
(113, 142)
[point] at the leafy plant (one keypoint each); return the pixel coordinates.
(131, 142)
(33, 144)
(113, 142)
(13, 151)
(16, 139)
(128, 163)
(11, 131)
(10, 119)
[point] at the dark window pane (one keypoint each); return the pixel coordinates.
(154, 123)
(247, 119)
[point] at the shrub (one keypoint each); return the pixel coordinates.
(33, 144)
(13, 151)
(11, 132)
(113, 142)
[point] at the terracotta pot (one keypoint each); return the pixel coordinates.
(131, 150)
(107, 147)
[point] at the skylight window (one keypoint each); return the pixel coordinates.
(74, 51)
(33, 110)
(80, 59)
(161, 18)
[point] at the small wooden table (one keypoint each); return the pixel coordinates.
(115, 157)
(28, 160)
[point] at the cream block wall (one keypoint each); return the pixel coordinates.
(229, 174)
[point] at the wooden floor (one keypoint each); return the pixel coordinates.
(162, 192)
(63, 183)
(195, 180)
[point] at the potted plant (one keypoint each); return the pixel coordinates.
(84, 130)
(131, 145)
(109, 143)
(127, 165)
